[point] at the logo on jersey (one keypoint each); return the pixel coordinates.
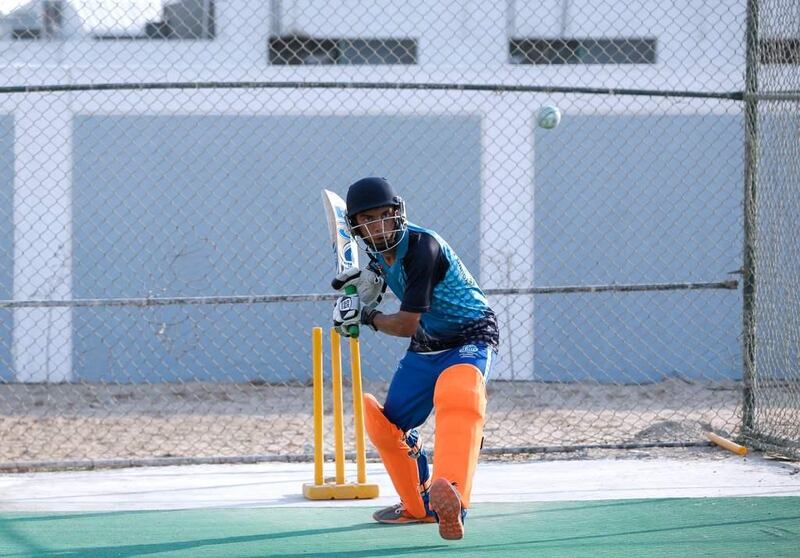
(468, 351)
(464, 274)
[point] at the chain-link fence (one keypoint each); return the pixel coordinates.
(772, 228)
(165, 251)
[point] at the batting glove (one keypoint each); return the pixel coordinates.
(368, 283)
(346, 313)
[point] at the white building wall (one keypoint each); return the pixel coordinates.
(464, 42)
(352, 18)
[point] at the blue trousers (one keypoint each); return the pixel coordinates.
(410, 398)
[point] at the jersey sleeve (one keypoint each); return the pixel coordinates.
(425, 265)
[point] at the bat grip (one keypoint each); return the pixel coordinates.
(353, 329)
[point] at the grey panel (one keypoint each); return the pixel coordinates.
(638, 199)
(216, 205)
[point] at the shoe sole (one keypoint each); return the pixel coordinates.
(445, 501)
(404, 521)
(399, 519)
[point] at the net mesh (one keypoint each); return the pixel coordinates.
(775, 237)
(165, 251)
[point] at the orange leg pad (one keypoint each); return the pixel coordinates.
(390, 443)
(460, 402)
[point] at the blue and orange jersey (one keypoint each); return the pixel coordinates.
(429, 278)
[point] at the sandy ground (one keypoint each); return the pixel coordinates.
(132, 421)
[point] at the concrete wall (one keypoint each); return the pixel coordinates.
(245, 220)
(119, 180)
(671, 212)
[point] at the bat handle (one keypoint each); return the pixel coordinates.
(353, 330)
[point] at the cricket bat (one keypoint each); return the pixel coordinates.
(345, 248)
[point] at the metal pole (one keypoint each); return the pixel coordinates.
(511, 19)
(564, 19)
(276, 23)
(749, 261)
(207, 32)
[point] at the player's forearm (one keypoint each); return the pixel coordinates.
(401, 324)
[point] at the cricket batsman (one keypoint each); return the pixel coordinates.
(454, 338)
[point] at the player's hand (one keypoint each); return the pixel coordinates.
(368, 283)
(346, 313)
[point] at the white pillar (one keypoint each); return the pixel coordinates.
(42, 339)
(507, 212)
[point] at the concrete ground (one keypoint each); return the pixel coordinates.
(280, 484)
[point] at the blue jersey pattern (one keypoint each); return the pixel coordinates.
(459, 312)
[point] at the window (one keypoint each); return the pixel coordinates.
(38, 20)
(583, 51)
(779, 51)
(298, 50)
(26, 33)
(182, 19)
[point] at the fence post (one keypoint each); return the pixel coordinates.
(750, 208)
